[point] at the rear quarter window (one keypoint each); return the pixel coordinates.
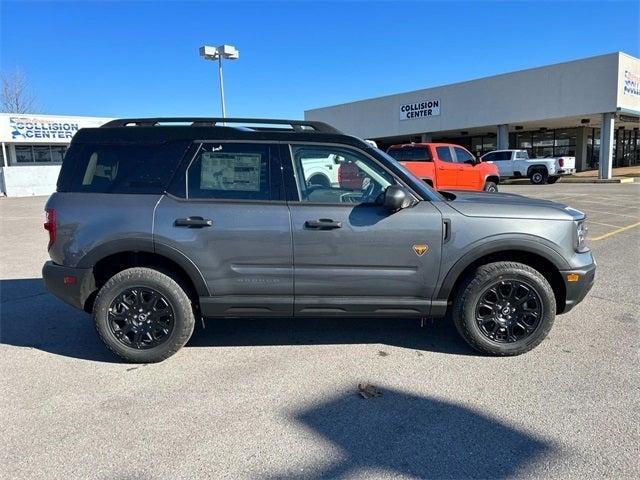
(121, 168)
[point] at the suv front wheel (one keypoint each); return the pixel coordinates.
(504, 308)
(143, 315)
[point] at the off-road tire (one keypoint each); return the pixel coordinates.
(552, 180)
(469, 293)
(183, 315)
(538, 176)
(490, 187)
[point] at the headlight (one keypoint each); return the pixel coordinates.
(581, 236)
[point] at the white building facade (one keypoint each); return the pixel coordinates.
(587, 108)
(32, 148)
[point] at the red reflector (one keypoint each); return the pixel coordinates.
(69, 280)
(561, 162)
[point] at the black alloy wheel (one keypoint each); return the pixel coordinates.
(509, 311)
(141, 318)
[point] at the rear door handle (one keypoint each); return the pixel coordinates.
(322, 224)
(193, 222)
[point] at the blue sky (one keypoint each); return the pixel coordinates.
(140, 58)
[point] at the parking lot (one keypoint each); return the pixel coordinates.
(277, 398)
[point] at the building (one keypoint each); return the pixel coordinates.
(587, 108)
(32, 148)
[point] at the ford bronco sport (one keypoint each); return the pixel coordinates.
(158, 222)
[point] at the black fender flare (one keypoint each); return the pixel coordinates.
(149, 246)
(501, 243)
(539, 166)
(491, 177)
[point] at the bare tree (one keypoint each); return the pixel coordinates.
(16, 94)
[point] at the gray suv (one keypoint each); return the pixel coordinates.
(158, 222)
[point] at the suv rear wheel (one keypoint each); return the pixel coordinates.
(504, 308)
(143, 315)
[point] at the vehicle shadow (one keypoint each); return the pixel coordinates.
(31, 317)
(418, 437)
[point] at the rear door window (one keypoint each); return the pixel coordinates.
(123, 168)
(233, 171)
(444, 154)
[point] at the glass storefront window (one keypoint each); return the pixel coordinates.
(57, 153)
(24, 154)
(40, 153)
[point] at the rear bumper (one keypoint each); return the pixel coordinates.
(73, 292)
(576, 291)
(566, 171)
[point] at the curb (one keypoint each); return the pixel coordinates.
(598, 180)
(525, 181)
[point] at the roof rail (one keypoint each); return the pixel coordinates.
(296, 125)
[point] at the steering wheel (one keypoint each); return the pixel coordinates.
(371, 192)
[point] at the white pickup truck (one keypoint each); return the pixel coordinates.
(516, 163)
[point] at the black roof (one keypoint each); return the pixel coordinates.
(204, 128)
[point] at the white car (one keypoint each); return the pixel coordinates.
(516, 163)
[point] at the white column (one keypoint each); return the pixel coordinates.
(4, 155)
(581, 149)
(503, 137)
(606, 145)
(425, 138)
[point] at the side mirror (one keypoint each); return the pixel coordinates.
(395, 198)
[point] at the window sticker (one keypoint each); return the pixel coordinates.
(231, 171)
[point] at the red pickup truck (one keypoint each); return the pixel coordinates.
(445, 166)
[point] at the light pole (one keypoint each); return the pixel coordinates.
(218, 53)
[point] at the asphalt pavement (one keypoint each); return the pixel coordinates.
(278, 398)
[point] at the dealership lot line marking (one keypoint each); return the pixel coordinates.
(607, 203)
(604, 224)
(635, 217)
(614, 232)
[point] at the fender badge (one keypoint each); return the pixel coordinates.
(420, 249)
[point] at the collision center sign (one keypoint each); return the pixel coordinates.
(631, 83)
(26, 128)
(43, 129)
(420, 109)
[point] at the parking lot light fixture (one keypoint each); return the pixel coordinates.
(227, 52)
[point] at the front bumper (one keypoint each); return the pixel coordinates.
(577, 290)
(74, 292)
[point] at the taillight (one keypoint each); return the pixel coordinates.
(561, 162)
(50, 225)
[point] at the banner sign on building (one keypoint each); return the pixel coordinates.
(23, 128)
(43, 129)
(631, 84)
(421, 109)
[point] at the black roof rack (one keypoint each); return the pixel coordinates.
(261, 123)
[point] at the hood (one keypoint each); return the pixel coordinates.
(508, 205)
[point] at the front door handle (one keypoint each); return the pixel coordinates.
(193, 222)
(322, 224)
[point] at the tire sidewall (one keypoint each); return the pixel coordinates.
(137, 277)
(547, 298)
(490, 187)
(538, 177)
